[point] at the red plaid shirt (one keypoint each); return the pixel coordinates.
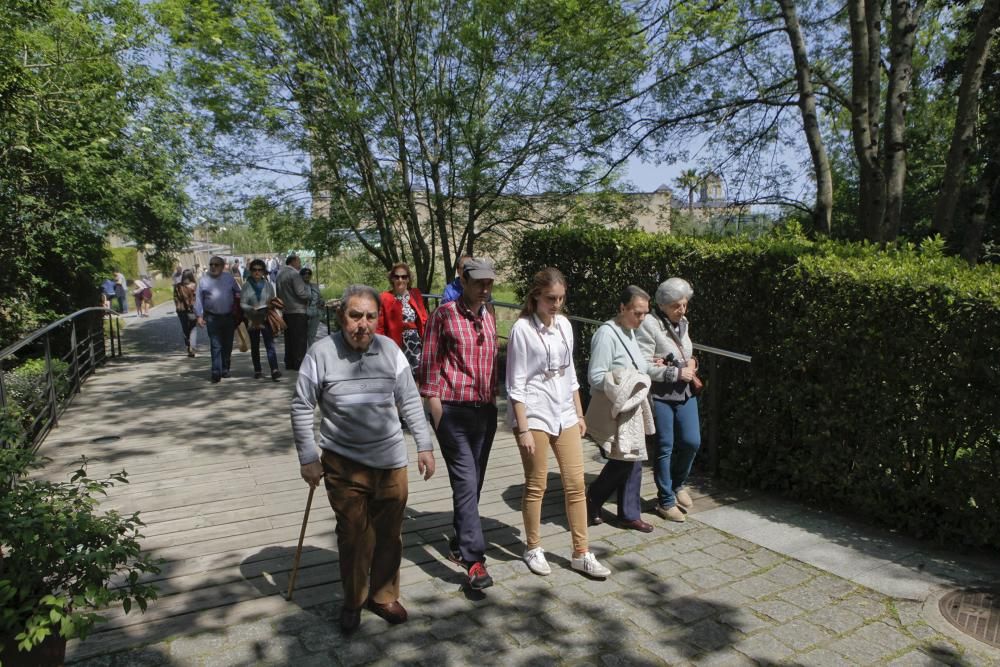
(458, 361)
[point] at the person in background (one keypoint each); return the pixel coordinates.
(107, 292)
(216, 295)
(142, 291)
(540, 368)
(403, 316)
(121, 295)
(357, 379)
(237, 271)
(178, 273)
(453, 290)
(184, 298)
(314, 307)
(665, 336)
(255, 301)
(458, 376)
(294, 294)
(619, 415)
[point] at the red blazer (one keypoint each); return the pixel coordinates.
(390, 316)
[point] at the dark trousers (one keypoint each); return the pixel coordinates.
(295, 339)
(255, 335)
(369, 504)
(220, 338)
(465, 435)
(189, 329)
(623, 477)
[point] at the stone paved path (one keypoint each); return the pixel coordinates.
(686, 594)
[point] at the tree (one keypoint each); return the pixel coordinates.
(961, 149)
(689, 180)
(428, 123)
(84, 150)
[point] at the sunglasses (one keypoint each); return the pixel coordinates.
(399, 276)
(215, 263)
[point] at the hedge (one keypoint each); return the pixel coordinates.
(875, 376)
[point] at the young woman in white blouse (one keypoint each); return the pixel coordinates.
(546, 413)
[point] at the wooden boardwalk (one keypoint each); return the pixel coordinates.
(213, 473)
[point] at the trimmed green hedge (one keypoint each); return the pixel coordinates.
(875, 381)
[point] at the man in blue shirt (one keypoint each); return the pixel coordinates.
(215, 297)
(453, 290)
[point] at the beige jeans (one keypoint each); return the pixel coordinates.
(568, 450)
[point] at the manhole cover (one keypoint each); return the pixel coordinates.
(974, 612)
(105, 439)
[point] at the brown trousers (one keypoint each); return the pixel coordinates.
(568, 449)
(369, 505)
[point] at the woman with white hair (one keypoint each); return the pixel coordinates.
(675, 408)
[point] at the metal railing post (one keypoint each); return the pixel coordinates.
(76, 358)
(53, 409)
(118, 331)
(713, 388)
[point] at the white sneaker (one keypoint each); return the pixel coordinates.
(535, 558)
(588, 565)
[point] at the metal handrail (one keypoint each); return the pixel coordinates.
(81, 359)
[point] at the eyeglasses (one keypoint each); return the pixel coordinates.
(399, 276)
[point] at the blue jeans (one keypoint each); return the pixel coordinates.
(678, 437)
(221, 329)
(255, 336)
(465, 434)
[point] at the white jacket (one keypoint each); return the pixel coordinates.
(619, 418)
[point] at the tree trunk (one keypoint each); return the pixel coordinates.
(987, 190)
(965, 120)
(864, 130)
(823, 208)
(902, 39)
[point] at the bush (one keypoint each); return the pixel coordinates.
(28, 383)
(875, 372)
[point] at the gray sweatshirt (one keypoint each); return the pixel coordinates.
(357, 394)
(292, 290)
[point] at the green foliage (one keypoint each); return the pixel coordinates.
(61, 558)
(29, 382)
(426, 127)
(875, 372)
(125, 260)
(85, 150)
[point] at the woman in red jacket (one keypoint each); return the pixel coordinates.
(403, 315)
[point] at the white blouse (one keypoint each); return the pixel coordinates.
(541, 373)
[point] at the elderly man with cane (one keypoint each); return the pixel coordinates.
(358, 379)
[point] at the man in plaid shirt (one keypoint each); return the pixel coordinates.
(458, 376)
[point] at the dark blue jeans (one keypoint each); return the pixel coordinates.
(678, 437)
(221, 329)
(255, 336)
(465, 435)
(623, 477)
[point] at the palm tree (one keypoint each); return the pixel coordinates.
(689, 180)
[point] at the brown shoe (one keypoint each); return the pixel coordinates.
(393, 612)
(636, 524)
(350, 619)
(684, 499)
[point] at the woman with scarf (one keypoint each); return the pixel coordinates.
(256, 301)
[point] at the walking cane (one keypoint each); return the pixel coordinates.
(302, 536)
